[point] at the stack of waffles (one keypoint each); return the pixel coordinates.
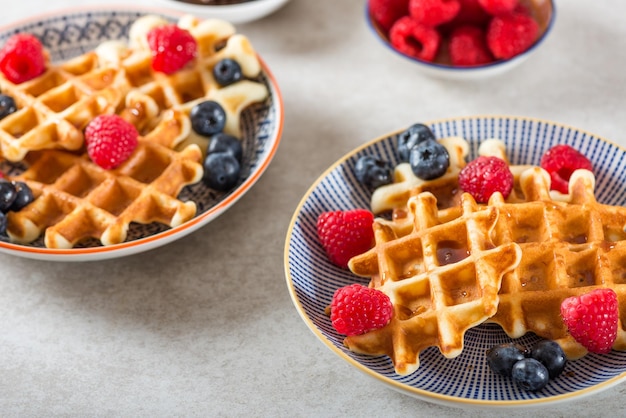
(76, 200)
(449, 267)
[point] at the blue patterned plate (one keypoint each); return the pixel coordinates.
(71, 33)
(467, 379)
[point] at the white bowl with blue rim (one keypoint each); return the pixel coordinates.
(69, 33)
(544, 12)
(465, 381)
(237, 12)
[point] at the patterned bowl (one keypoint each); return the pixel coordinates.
(70, 33)
(543, 10)
(465, 380)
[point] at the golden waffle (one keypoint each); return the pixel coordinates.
(76, 200)
(568, 248)
(154, 92)
(442, 278)
(54, 108)
(395, 196)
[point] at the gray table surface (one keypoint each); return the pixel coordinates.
(205, 326)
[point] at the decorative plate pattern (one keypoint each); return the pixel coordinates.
(467, 379)
(67, 35)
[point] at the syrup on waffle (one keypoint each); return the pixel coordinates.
(568, 249)
(394, 196)
(76, 200)
(442, 278)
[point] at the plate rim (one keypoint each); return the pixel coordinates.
(143, 244)
(447, 400)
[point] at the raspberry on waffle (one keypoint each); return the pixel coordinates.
(442, 278)
(54, 107)
(568, 249)
(75, 199)
(153, 92)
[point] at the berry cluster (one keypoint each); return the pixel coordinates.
(470, 32)
(486, 175)
(14, 195)
(416, 145)
(530, 369)
(224, 154)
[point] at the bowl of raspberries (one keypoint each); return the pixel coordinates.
(462, 39)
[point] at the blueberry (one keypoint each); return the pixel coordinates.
(24, 196)
(501, 358)
(372, 172)
(3, 225)
(226, 143)
(221, 171)
(530, 374)
(7, 195)
(551, 355)
(7, 105)
(414, 135)
(208, 118)
(227, 71)
(429, 160)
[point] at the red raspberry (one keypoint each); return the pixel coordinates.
(344, 234)
(561, 161)
(433, 12)
(498, 7)
(22, 58)
(467, 46)
(592, 319)
(172, 48)
(110, 140)
(414, 39)
(471, 13)
(386, 12)
(511, 34)
(484, 176)
(357, 309)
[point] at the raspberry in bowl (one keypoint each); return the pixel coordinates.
(462, 39)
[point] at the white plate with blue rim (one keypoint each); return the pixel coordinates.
(467, 380)
(69, 33)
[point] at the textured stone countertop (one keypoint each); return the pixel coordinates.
(205, 326)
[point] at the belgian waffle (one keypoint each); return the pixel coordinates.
(76, 200)
(54, 108)
(405, 183)
(442, 278)
(153, 92)
(568, 248)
